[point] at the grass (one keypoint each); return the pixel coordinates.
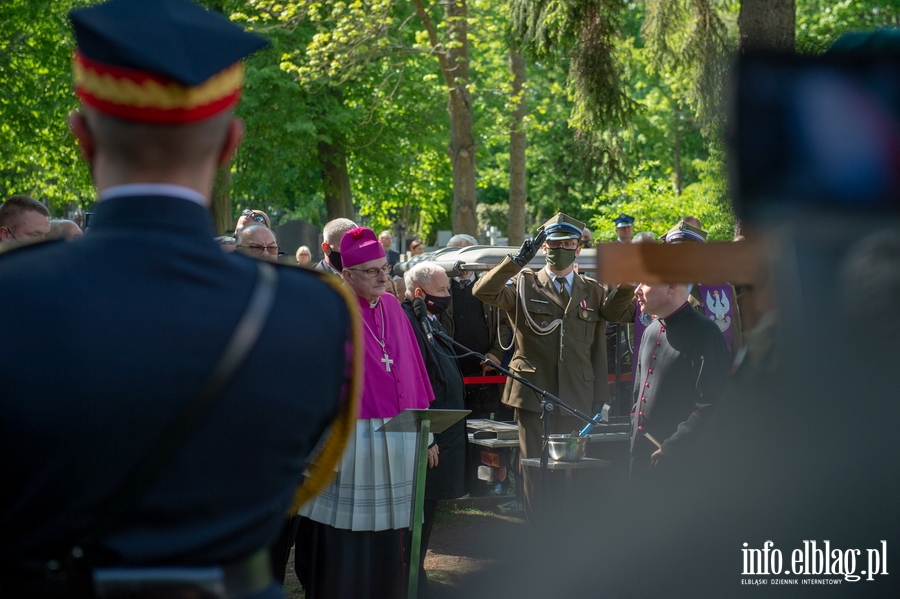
(450, 514)
(292, 588)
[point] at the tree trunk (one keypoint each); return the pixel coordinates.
(767, 25)
(221, 208)
(454, 63)
(676, 151)
(336, 182)
(462, 138)
(517, 141)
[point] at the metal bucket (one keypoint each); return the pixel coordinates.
(564, 448)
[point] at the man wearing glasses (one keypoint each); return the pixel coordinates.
(23, 219)
(350, 541)
(257, 241)
(559, 321)
(252, 217)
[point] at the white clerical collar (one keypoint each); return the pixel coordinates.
(569, 277)
(152, 189)
(374, 303)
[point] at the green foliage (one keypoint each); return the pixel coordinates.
(820, 22)
(657, 208)
(583, 34)
(276, 167)
(689, 42)
(391, 118)
(616, 90)
(38, 155)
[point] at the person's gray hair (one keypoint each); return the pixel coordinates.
(225, 240)
(335, 230)
(240, 234)
(462, 240)
(644, 237)
(420, 275)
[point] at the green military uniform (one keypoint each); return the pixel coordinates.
(570, 360)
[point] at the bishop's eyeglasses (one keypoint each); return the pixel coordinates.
(373, 272)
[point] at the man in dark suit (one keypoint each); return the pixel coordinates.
(127, 325)
(387, 242)
(480, 327)
(332, 234)
(428, 282)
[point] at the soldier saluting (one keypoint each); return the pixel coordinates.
(559, 321)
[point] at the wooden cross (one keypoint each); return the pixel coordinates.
(387, 362)
(739, 263)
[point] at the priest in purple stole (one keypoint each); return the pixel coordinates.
(353, 536)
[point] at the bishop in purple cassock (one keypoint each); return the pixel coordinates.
(352, 535)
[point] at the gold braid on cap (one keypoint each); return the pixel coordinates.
(139, 96)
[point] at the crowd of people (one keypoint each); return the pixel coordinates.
(548, 326)
(167, 450)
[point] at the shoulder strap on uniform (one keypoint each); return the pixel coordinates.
(146, 471)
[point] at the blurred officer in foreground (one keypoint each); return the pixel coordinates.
(137, 457)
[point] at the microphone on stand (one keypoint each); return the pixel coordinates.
(421, 313)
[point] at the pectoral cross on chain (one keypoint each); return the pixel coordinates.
(387, 362)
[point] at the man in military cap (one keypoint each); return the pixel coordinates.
(624, 228)
(559, 320)
(138, 458)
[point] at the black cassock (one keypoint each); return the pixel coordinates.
(681, 373)
(446, 480)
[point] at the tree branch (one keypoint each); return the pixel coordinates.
(449, 78)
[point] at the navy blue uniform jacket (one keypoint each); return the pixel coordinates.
(105, 338)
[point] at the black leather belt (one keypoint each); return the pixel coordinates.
(244, 577)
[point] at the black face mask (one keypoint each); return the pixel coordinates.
(335, 259)
(437, 305)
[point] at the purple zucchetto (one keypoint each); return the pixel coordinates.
(360, 245)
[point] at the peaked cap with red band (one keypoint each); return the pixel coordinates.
(158, 61)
